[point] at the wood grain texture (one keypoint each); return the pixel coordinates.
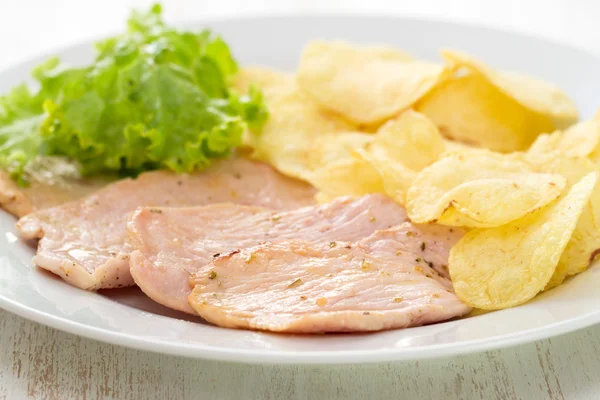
(43, 363)
(40, 362)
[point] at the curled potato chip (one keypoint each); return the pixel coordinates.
(506, 266)
(479, 189)
(469, 109)
(366, 85)
(411, 139)
(395, 177)
(583, 246)
(401, 148)
(351, 177)
(498, 110)
(579, 140)
(585, 242)
(295, 122)
(532, 93)
(332, 148)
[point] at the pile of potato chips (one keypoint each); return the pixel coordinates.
(456, 143)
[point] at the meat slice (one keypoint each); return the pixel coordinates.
(84, 242)
(385, 281)
(172, 244)
(21, 201)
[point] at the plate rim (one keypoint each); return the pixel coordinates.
(243, 356)
(261, 15)
(249, 356)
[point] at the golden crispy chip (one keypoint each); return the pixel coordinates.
(487, 189)
(546, 143)
(336, 147)
(532, 93)
(295, 122)
(366, 85)
(401, 148)
(585, 242)
(499, 110)
(583, 247)
(395, 177)
(411, 139)
(351, 177)
(470, 110)
(506, 266)
(579, 140)
(263, 77)
(453, 146)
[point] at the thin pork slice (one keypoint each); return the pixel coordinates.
(172, 244)
(385, 281)
(85, 242)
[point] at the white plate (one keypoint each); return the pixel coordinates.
(126, 317)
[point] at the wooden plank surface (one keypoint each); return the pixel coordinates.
(43, 363)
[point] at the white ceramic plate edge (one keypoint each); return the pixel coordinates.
(304, 357)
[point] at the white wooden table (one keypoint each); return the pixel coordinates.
(39, 362)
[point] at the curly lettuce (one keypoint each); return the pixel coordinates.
(154, 97)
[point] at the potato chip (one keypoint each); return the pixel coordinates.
(546, 143)
(453, 146)
(401, 148)
(336, 147)
(411, 139)
(534, 94)
(506, 266)
(470, 110)
(395, 177)
(580, 140)
(585, 242)
(366, 85)
(294, 124)
(583, 246)
(353, 177)
(488, 189)
(263, 77)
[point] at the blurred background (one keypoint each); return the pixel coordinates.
(54, 23)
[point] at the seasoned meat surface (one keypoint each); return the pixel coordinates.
(173, 243)
(384, 281)
(85, 242)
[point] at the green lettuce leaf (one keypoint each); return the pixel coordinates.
(20, 119)
(153, 98)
